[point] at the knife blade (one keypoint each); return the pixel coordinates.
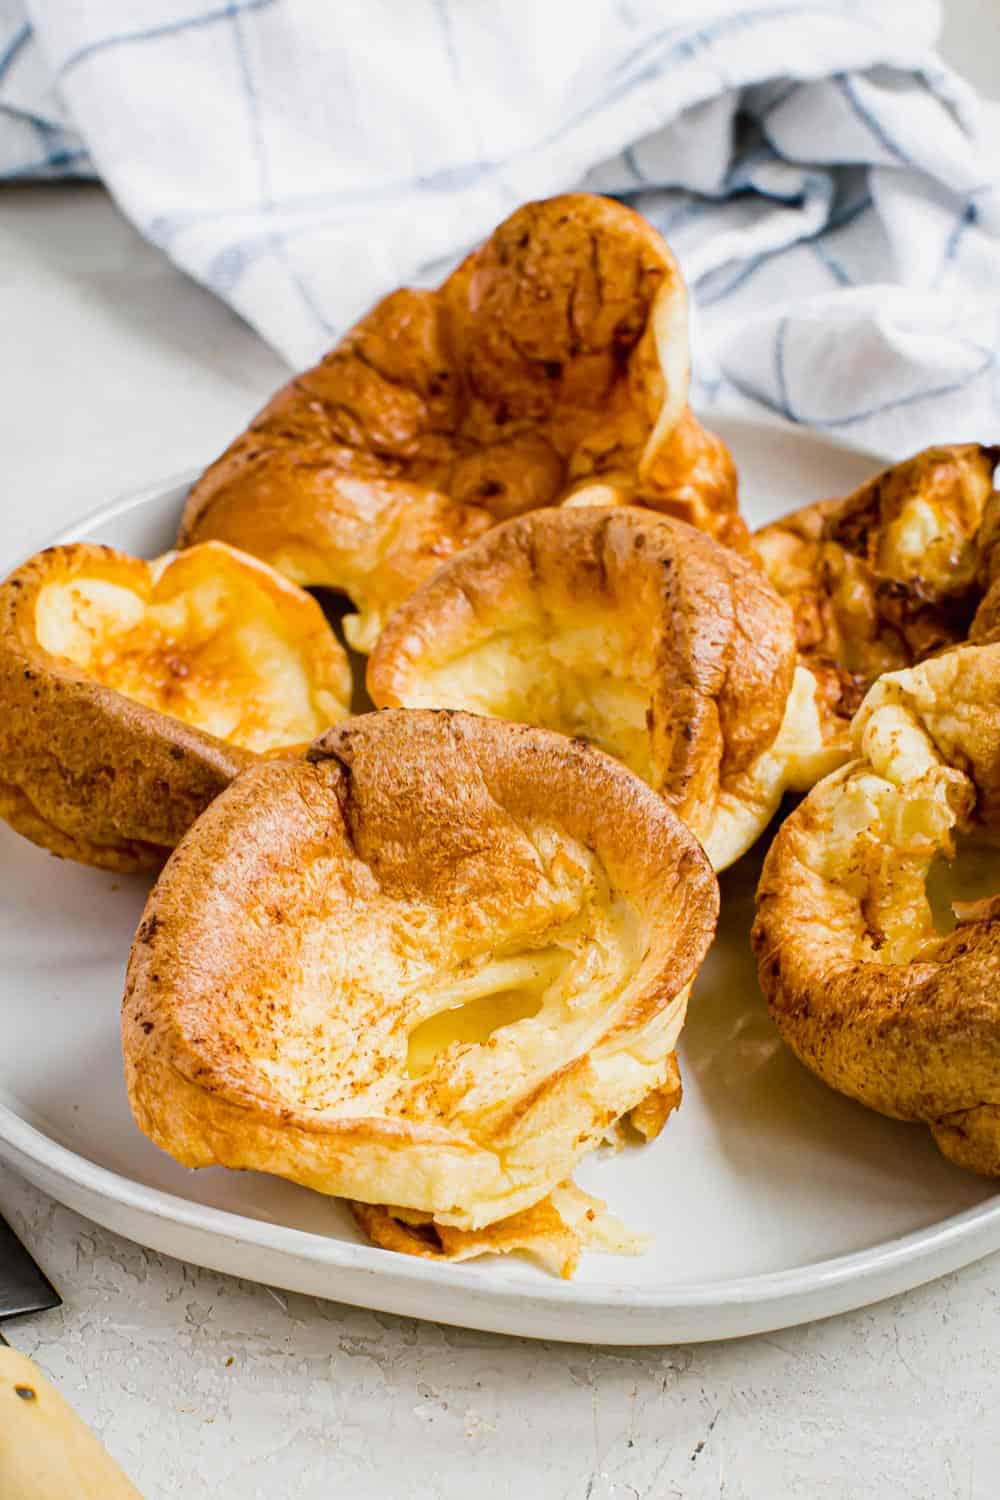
(24, 1288)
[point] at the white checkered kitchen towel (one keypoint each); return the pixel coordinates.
(831, 189)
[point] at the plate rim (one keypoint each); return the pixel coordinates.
(732, 1292)
(932, 1250)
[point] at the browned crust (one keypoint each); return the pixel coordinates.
(539, 1230)
(858, 612)
(691, 477)
(89, 773)
(650, 1116)
(544, 361)
(985, 628)
(915, 1039)
(425, 808)
(17, 809)
(722, 640)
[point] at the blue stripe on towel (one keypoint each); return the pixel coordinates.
(852, 419)
(264, 175)
(779, 371)
(989, 361)
(875, 126)
(688, 49)
(968, 216)
(58, 162)
(706, 298)
(13, 47)
(629, 158)
(167, 28)
(841, 218)
(832, 264)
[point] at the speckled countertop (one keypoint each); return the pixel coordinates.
(202, 1385)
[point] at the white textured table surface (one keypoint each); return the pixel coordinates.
(115, 371)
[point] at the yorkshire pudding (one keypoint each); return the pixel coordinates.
(860, 981)
(429, 965)
(133, 691)
(631, 630)
(886, 576)
(556, 354)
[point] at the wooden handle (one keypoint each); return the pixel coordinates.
(46, 1452)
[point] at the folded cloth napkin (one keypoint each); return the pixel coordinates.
(826, 182)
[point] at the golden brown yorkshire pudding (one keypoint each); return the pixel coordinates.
(859, 980)
(427, 966)
(556, 354)
(132, 692)
(886, 576)
(630, 630)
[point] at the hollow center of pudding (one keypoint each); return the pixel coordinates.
(584, 678)
(473, 1009)
(403, 1019)
(973, 875)
(218, 653)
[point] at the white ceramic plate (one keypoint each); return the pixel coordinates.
(772, 1199)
